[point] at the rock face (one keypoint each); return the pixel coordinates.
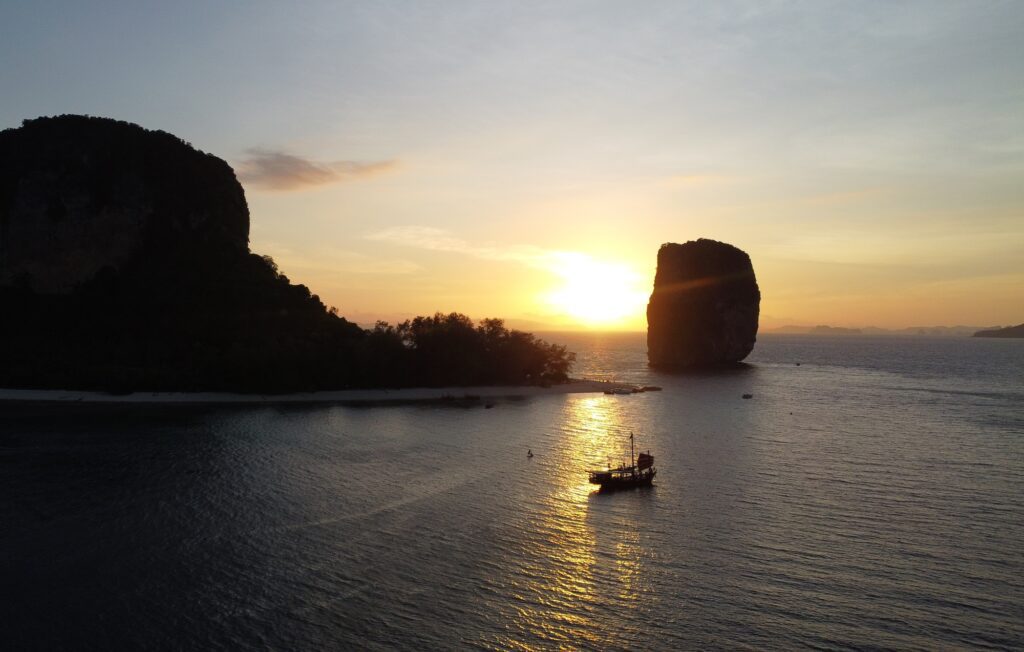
(704, 307)
(80, 194)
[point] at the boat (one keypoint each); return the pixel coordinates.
(620, 391)
(639, 473)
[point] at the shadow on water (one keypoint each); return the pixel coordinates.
(600, 496)
(705, 371)
(84, 417)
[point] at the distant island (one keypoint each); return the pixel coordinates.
(125, 266)
(1008, 332)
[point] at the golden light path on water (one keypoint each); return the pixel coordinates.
(579, 567)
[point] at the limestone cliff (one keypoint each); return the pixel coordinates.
(124, 264)
(79, 194)
(705, 305)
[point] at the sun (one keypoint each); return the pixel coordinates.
(597, 293)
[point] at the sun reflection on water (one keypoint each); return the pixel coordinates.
(627, 565)
(583, 569)
(597, 432)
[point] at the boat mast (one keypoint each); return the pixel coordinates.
(632, 458)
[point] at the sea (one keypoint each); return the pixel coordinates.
(868, 495)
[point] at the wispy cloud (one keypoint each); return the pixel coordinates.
(276, 170)
(557, 261)
(425, 237)
(699, 180)
(321, 260)
(591, 290)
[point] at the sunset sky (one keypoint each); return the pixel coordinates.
(525, 160)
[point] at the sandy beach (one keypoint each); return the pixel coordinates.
(349, 396)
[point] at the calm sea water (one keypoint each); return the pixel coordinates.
(870, 497)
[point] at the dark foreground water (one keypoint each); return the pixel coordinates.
(872, 496)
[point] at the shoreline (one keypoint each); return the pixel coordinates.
(341, 397)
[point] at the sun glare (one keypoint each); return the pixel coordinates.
(597, 293)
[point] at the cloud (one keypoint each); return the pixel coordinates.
(552, 260)
(276, 170)
(591, 291)
(698, 179)
(345, 262)
(425, 237)
(323, 260)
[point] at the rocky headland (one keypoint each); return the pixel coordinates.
(125, 266)
(704, 308)
(1007, 332)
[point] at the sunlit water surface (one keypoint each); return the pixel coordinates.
(870, 496)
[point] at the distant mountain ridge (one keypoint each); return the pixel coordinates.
(932, 331)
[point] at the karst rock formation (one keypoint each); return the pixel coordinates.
(125, 264)
(80, 194)
(704, 307)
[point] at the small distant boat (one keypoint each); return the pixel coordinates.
(640, 472)
(621, 390)
(633, 390)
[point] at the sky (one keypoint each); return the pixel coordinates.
(525, 160)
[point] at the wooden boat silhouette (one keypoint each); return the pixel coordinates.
(639, 473)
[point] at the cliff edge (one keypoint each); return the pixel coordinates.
(79, 194)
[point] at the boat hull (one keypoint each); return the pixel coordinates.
(619, 481)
